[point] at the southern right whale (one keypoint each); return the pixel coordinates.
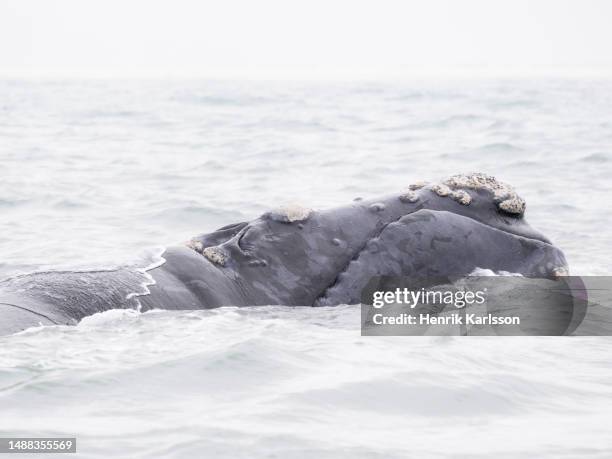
(295, 256)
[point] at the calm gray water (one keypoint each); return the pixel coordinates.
(97, 173)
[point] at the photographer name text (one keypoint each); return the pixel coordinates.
(451, 319)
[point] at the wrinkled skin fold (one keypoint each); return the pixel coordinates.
(298, 257)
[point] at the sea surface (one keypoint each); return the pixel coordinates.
(96, 173)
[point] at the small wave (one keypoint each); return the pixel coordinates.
(112, 114)
(406, 139)
(236, 100)
(597, 158)
(13, 202)
(212, 100)
(69, 203)
(192, 214)
(520, 103)
(408, 96)
(564, 207)
(499, 147)
(459, 119)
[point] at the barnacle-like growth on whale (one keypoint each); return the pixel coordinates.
(513, 206)
(290, 213)
(195, 245)
(418, 185)
(504, 195)
(462, 197)
(215, 254)
(408, 196)
(441, 189)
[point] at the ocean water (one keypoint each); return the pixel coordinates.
(97, 173)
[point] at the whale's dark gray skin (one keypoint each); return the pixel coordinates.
(297, 257)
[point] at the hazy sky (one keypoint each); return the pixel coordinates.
(304, 39)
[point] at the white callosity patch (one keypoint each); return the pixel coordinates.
(441, 189)
(418, 185)
(504, 195)
(216, 255)
(290, 213)
(195, 245)
(408, 196)
(462, 197)
(513, 206)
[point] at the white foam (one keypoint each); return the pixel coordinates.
(484, 272)
(106, 317)
(157, 261)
